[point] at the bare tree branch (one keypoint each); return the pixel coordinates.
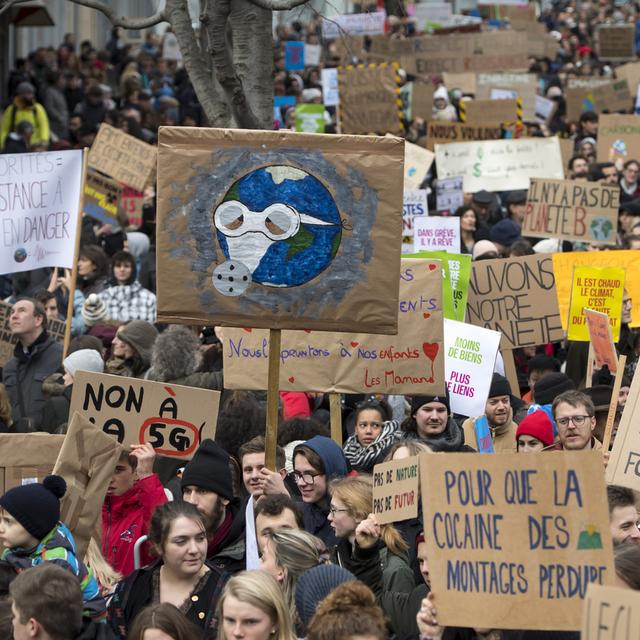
(123, 21)
(215, 22)
(278, 5)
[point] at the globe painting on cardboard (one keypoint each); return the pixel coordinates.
(279, 229)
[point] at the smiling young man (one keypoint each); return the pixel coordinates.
(574, 415)
(624, 520)
(252, 457)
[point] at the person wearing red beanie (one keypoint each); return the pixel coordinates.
(534, 433)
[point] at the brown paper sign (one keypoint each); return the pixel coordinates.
(370, 99)
(631, 73)
(513, 539)
(466, 82)
(610, 613)
(440, 132)
(87, 461)
(122, 157)
(491, 110)
(411, 362)
(616, 41)
(27, 458)
(422, 100)
(571, 210)
(173, 418)
(618, 137)
(395, 490)
(8, 341)
(525, 84)
(279, 230)
(517, 297)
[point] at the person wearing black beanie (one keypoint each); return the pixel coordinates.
(499, 415)
(207, 484)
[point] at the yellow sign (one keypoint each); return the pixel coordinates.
(600, 289)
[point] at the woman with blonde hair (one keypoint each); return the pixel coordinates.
(5, 410)
(252, 606)
(351, 503)
(287, 554)
(407, 449)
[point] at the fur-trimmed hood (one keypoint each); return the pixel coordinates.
(175, 355)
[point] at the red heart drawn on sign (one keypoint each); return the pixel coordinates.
(432, 266)
(430, 349)
(307, 330)
(426, 315)
(354, 344)
(248, 330)
(291, 379)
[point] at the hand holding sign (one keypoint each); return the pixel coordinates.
(146, 456)
(368, 532)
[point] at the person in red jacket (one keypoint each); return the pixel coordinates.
(132, 496)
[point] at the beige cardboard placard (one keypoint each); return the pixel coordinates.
(466, 81)
(417, 161)
(517, 297)
(571, 210)
(172, 417)
(618, 137)
(101, 197)
(514, 540)
(279, 230)
(122, 157)
(610, 613)
(411, 362)
(87, 461)
(624, 463)
(8, 341)
(422, 99)
(27, 457)
(525, 84)
(370, 99)
(396, 489)
(566, 152)
(613, 96)
(492, 110)
(564, 263)
(631, 73)
(616, 41)
(440, 132)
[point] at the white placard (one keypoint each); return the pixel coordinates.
(355, 24)
(330, 94)
(170, 48)
(312, 54)
(435, 12)
(415, 204)
(39, 200)
(449, 193)
(500, 165)
(433, 233)
(470, 356)
(503, 94)
(544, 108)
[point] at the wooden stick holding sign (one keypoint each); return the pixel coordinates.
(613, 407)
(273, 398)
(76, 252)
(335, 412)
(510, 372)
(590, 361)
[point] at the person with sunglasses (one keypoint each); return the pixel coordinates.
(574, 415)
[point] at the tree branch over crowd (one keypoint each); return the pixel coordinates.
(123, 21)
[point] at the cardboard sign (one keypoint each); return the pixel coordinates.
(466, 82)
(601, 339)
(515, 540)
(330, 92)
(132, 202)
(615, 42)
(101, 197)
(500, 165)
(624, 464)
(631, 73)
(39, 207)
(599, 288)
(355, 24)
(369, 99)
(469, 362)
(170, 47)
(421, 100)
(610, 613)
(449, 193)
(618, 137)
(87, 461)
(122, 157)
(8, 340)
(173, 418)
(26, 458)
(396, 489)
(310, 118)
(517, 297)
(613, 96)
(434, 233)
(274, 229)
(417, 162)
(294, 56)
(564, 263)
(415, 204)
(411, 362)
(523, 84)
(491, 110)
(439, 132)
(571, 210)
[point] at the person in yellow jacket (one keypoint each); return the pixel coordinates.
(25, 108)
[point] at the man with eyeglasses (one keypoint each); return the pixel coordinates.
(574, 414)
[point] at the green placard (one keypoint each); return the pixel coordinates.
(310, 118)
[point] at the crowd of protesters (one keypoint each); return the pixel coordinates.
(236, 550)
